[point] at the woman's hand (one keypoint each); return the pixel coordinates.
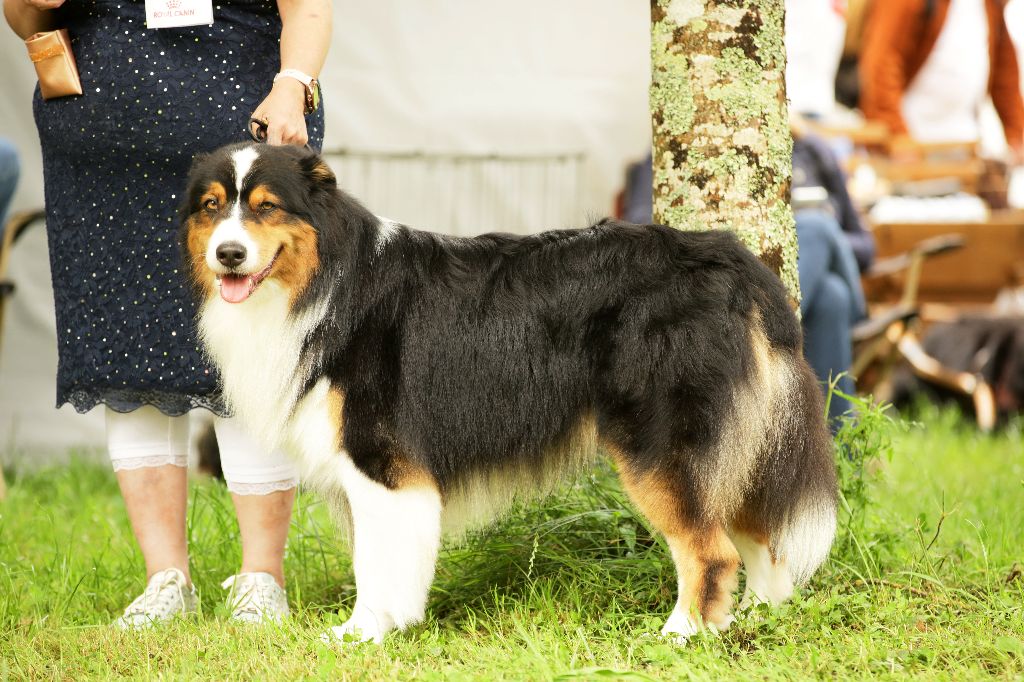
(26, 17)
(44, 4)
(284, 112)
(1017, 156)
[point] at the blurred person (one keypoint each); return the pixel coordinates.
(847, 80)
(831, 303)
(927, 67)
(1014, 16)
(815, 164)
(115, 161)
(834, 248)
(815, 31)
(9, 170)
(1015, 24)
(638, 196)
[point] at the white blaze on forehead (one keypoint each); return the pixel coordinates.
(243, 160)
(231, 229)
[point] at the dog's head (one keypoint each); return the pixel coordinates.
(249, 220)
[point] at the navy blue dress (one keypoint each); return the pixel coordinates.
(115, 162)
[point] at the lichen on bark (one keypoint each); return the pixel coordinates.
(722, 147)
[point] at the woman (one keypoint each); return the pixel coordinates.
(115, 161)
(928, 66)
(834, 248)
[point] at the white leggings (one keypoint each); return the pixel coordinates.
(147, 437)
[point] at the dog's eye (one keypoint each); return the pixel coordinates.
(267, 206)
(210, 204)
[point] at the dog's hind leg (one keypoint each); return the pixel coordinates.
(768, 579)
(706, 561)
(396, 535)
(706, 564)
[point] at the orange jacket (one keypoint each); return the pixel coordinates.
(898, 38)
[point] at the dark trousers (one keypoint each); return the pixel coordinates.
(8, 178)
(832, 301)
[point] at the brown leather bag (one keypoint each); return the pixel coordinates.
(50, 52)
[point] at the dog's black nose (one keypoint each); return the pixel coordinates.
(230, 254)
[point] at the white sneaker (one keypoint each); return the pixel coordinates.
(166, 596)
(256, 598)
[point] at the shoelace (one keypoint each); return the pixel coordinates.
(157, 596)
(250, 598)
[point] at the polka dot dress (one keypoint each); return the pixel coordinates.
(115, 162)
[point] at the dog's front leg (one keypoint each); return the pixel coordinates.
(396, 535)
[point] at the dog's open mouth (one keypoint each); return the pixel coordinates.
(237, 288)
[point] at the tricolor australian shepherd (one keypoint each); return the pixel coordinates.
(422, 380)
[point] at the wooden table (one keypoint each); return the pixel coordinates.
(993, 258)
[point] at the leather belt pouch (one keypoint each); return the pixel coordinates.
(51, 54)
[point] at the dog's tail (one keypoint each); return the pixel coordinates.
(803, 542)
(805, 501)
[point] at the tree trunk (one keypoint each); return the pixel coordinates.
(722, 146)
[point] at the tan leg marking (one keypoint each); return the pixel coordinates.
(706, 560)
(403, 473)
(336, 413)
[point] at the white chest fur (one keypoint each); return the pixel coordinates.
(314, 440)
(257, 345)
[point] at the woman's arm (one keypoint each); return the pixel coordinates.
(26, 17)
(891, 35)
(1004, 86)
(305, 37)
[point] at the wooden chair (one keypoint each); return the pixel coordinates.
(892, 337)
(12, 231)
(14, 228)
(991, 260)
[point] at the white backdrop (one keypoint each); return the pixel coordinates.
(446, 77)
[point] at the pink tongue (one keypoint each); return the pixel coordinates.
(235, 288)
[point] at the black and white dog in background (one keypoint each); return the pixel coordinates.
(423, 382)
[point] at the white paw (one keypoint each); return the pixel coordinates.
(679, 628)
(350, 634)
(724, 625)
(362, 626)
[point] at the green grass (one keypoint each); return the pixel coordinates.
(924, 581)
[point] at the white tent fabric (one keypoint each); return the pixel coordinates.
(467, 108)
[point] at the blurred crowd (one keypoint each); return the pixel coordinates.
(921, 100)
(902, 112)
(924, 69)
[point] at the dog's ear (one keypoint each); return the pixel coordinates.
(197, 161)
(316, 169)
(189, 195)
(194, 171)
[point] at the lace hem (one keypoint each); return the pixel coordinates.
(261, 488)
(129, 463)
(171, 404)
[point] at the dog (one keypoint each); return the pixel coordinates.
(425, 382)
(988, 346)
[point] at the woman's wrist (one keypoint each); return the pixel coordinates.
(26, 20)
(290, 86)
(310, 87)
(283, 111)
(290, 91)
